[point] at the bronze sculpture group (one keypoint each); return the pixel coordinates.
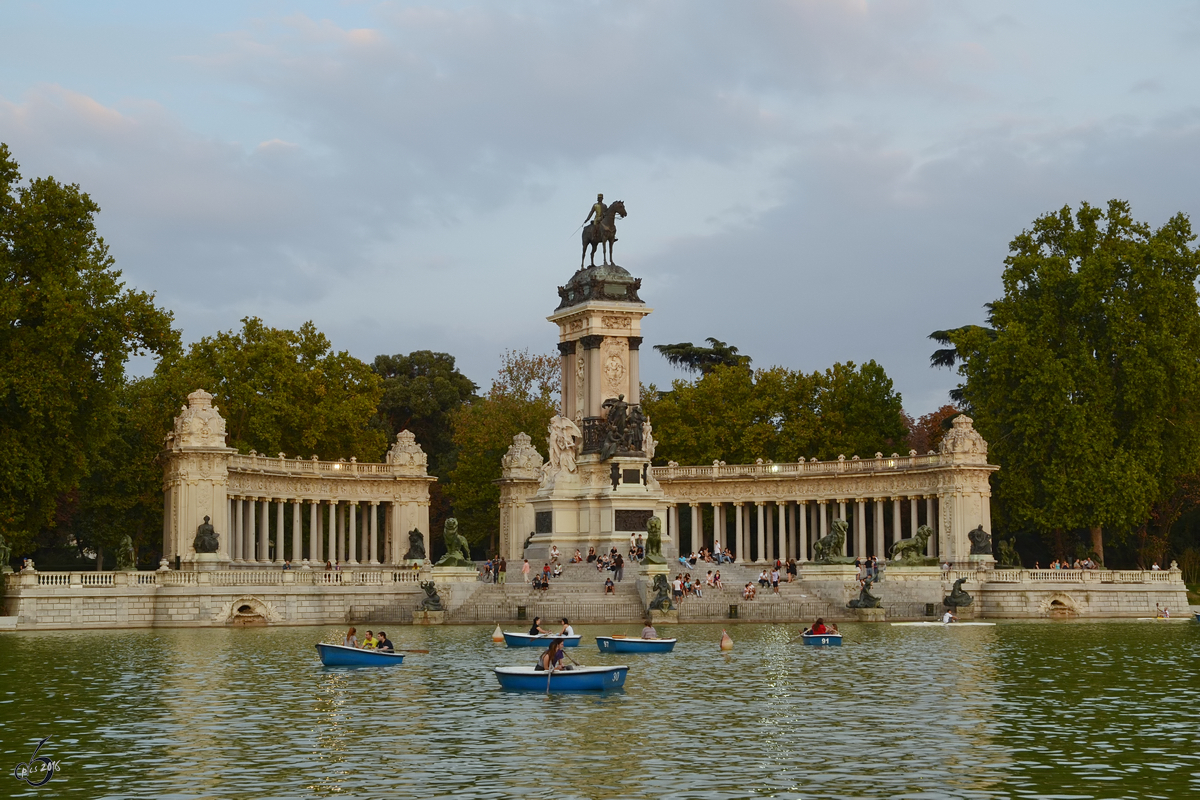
(601, 230)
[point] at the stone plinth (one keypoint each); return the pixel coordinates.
(870, 614)
(668, 617)
(207, 562)
(440, 575)
(429, 617)
(902, 572)
(828, 572)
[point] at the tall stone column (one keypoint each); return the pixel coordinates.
(762, 533)
(931, 521)
(880, 552)
(335, 528)
(251, 531)
(264, 532)
(279, 547)
(781, 529)
(591, 349)
(821, 517)
(635, 389)
(739, 533)
(860, 528)
(897, 521)
(793, 545)
(239, 529)
(352, 530)
(697, 529)
(566, 357)
(297, 532)
(718, 534)
(912, 512)
(315, 552)
(842, 516)
(374, 532)
(802, 516)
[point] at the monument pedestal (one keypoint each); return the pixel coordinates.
(668, 617)
(207, 562)
(429, 617)
(870, 614)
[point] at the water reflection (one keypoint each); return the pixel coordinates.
(1018, 710)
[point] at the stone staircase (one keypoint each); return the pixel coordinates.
(578, 594)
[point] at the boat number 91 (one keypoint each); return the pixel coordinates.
(615, 675)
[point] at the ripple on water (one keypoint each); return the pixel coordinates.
(1088, 710)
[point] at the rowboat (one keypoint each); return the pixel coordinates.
(822, 639)
(944, 624)
(1165, 619)
(339, 655)
(527, 640)
(624, 644)
(579, 679)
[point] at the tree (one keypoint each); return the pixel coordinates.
(420, 392)
(1084, 385)
(926, 433)
(734, 415)
(287, 391)
(692, 358)
(523, 397)
(69, 325)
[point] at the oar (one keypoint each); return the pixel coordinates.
(549, 672)
(402, 650)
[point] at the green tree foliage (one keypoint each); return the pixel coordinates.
(523, 397)
(1085, 383)
(284, 391)
(69, 325)
(693, 358)
(734, 415)
(420, 392)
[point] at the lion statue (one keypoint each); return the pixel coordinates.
(431, 602)
(828, 549)
(458, 552)
(912, 551)
(654, 542)
(661, 599)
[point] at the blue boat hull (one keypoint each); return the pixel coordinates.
(525, 640)
(611, 644)
(580, 679)
(338, 655)
(822, 639)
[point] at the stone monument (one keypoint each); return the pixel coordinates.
(596, 488)
(195, 482)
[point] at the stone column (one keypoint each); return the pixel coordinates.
(912, 513)
(718, 526)
(279, 547)
(821, 518)
(842, 516)
(591, 349)
(335, 528)
(352, 531)
(860, 528)
(931, 521)
(236, 531)
(673, 524)
(635, 389)
(315, 554)
(739, 532)
(769, 511)
(297, 532)
(802, 515)
(792, 546)
(897, 521)
(782, 529)
(762, 533)
(251, 531)
(264, 531)
(697, 531)
(374, 532)
(566, 357)
(880, 552)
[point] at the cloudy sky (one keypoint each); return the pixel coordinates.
(810, 181)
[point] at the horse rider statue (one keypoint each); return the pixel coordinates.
(596, 216)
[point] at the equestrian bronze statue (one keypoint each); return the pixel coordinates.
(601, 229)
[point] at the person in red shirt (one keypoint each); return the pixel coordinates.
(818, 627)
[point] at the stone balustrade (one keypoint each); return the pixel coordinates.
(298, 577)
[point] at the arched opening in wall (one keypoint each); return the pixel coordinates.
(1060, 605)
(248, 611)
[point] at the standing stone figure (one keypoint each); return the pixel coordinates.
(125, 557)
(5, 556)
(562, 438)
(206, 540)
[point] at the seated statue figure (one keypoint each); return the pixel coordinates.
(981, 542)
(206, 540)
(654, 542)
(957, 597)
(431, 602)
(865, 599)
(416, 546)
(661, 599)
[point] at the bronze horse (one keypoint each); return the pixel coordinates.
(604, 236)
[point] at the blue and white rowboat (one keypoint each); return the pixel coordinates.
(579, 679)
(621, 644)
(339, 655)
(822, 639)
(541, 640)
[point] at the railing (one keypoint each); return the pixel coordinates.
(329, 469)
(275, 577)
(792, 469)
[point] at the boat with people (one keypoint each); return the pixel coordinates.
(630, 644)
(529, 640)
(340, 655)
(578, 679)
(827, 639)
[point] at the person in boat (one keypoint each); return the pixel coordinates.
(536, 628)
(369, 641)
(817, 628)
(949, 617)
(384, 644)
(648, 631)
(552, 658)
(567, 630)
(351, 638)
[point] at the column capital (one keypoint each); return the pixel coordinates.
(739, 503)
(566, 348)
(822, 501)
(760, 502)
(373, 502)
(635, 342)
(591, 342)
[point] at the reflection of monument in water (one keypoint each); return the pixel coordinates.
(596, 489)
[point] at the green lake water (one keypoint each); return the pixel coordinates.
(1020, 710)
